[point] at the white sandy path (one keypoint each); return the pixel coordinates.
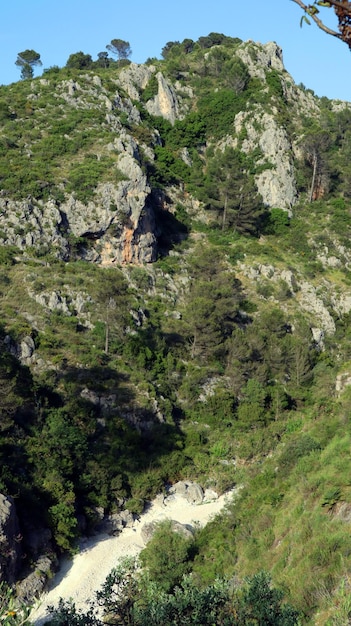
(79, 578)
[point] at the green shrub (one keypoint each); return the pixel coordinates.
(298, 447)
(278, 222)
(12, 611)
(150, 90)
(8, 254)
(167, 556)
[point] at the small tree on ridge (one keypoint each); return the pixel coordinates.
(120, 48)
(27, 60)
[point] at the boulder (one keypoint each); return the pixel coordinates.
(114, 524)
(192, 492)
(33, 585)
(148, 530)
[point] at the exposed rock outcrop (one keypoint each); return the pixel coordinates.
(114, 523)
(342, 381)
(258, 57)
(134, 78)
(22, 350)
(309, 298)
(29, 588)
(276, 183)
(165, 103)
(10, 540)
(118, 225)
(32, 224)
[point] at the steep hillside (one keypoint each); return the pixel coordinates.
(175, 296)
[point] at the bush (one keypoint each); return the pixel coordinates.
(67, 614)
(12, 612)
(167, 557)
(7, 254)
(278, 222)
(300, 446)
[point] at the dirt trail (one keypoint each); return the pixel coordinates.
(79, 578)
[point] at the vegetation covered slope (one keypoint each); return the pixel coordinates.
(226, 360)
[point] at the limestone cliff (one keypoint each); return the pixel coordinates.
(117, 226)
(116, 121)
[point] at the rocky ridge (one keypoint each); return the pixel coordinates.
(118, 224)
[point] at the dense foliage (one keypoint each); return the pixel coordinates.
(131, 599)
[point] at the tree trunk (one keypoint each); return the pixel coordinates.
(224, 218)
(106, 336)
(314, 174)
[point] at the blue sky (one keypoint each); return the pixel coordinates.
(57, 29)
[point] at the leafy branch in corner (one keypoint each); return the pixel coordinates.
(342, 9)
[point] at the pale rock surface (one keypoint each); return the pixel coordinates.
(32, 585)
(23, 351)
(115, 523)
(148, 530)
(29, 224)
(310, 301)
(308, 297)
(135, 78)
(49, 225)
(67, 302)
(258, 57)
(342, 511)
(318, 336)
(343, 380)
(165, 103)
(329, 261)
(277, 184)
(191, 491)
(341, 303)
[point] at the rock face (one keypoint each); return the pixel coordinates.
(259, 57)
(10, 540)
(165, 103)
(342, 381)
(23, 351)
(311, 301)
(25, 225)
(342, 511)
(134, 78)
(276, 184)
(118, 226)
(33, 585)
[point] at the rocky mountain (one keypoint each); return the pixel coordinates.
(114, 208)
(175, 296)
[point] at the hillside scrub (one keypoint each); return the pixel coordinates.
(130, 597)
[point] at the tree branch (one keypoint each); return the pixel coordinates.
(320, 24)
